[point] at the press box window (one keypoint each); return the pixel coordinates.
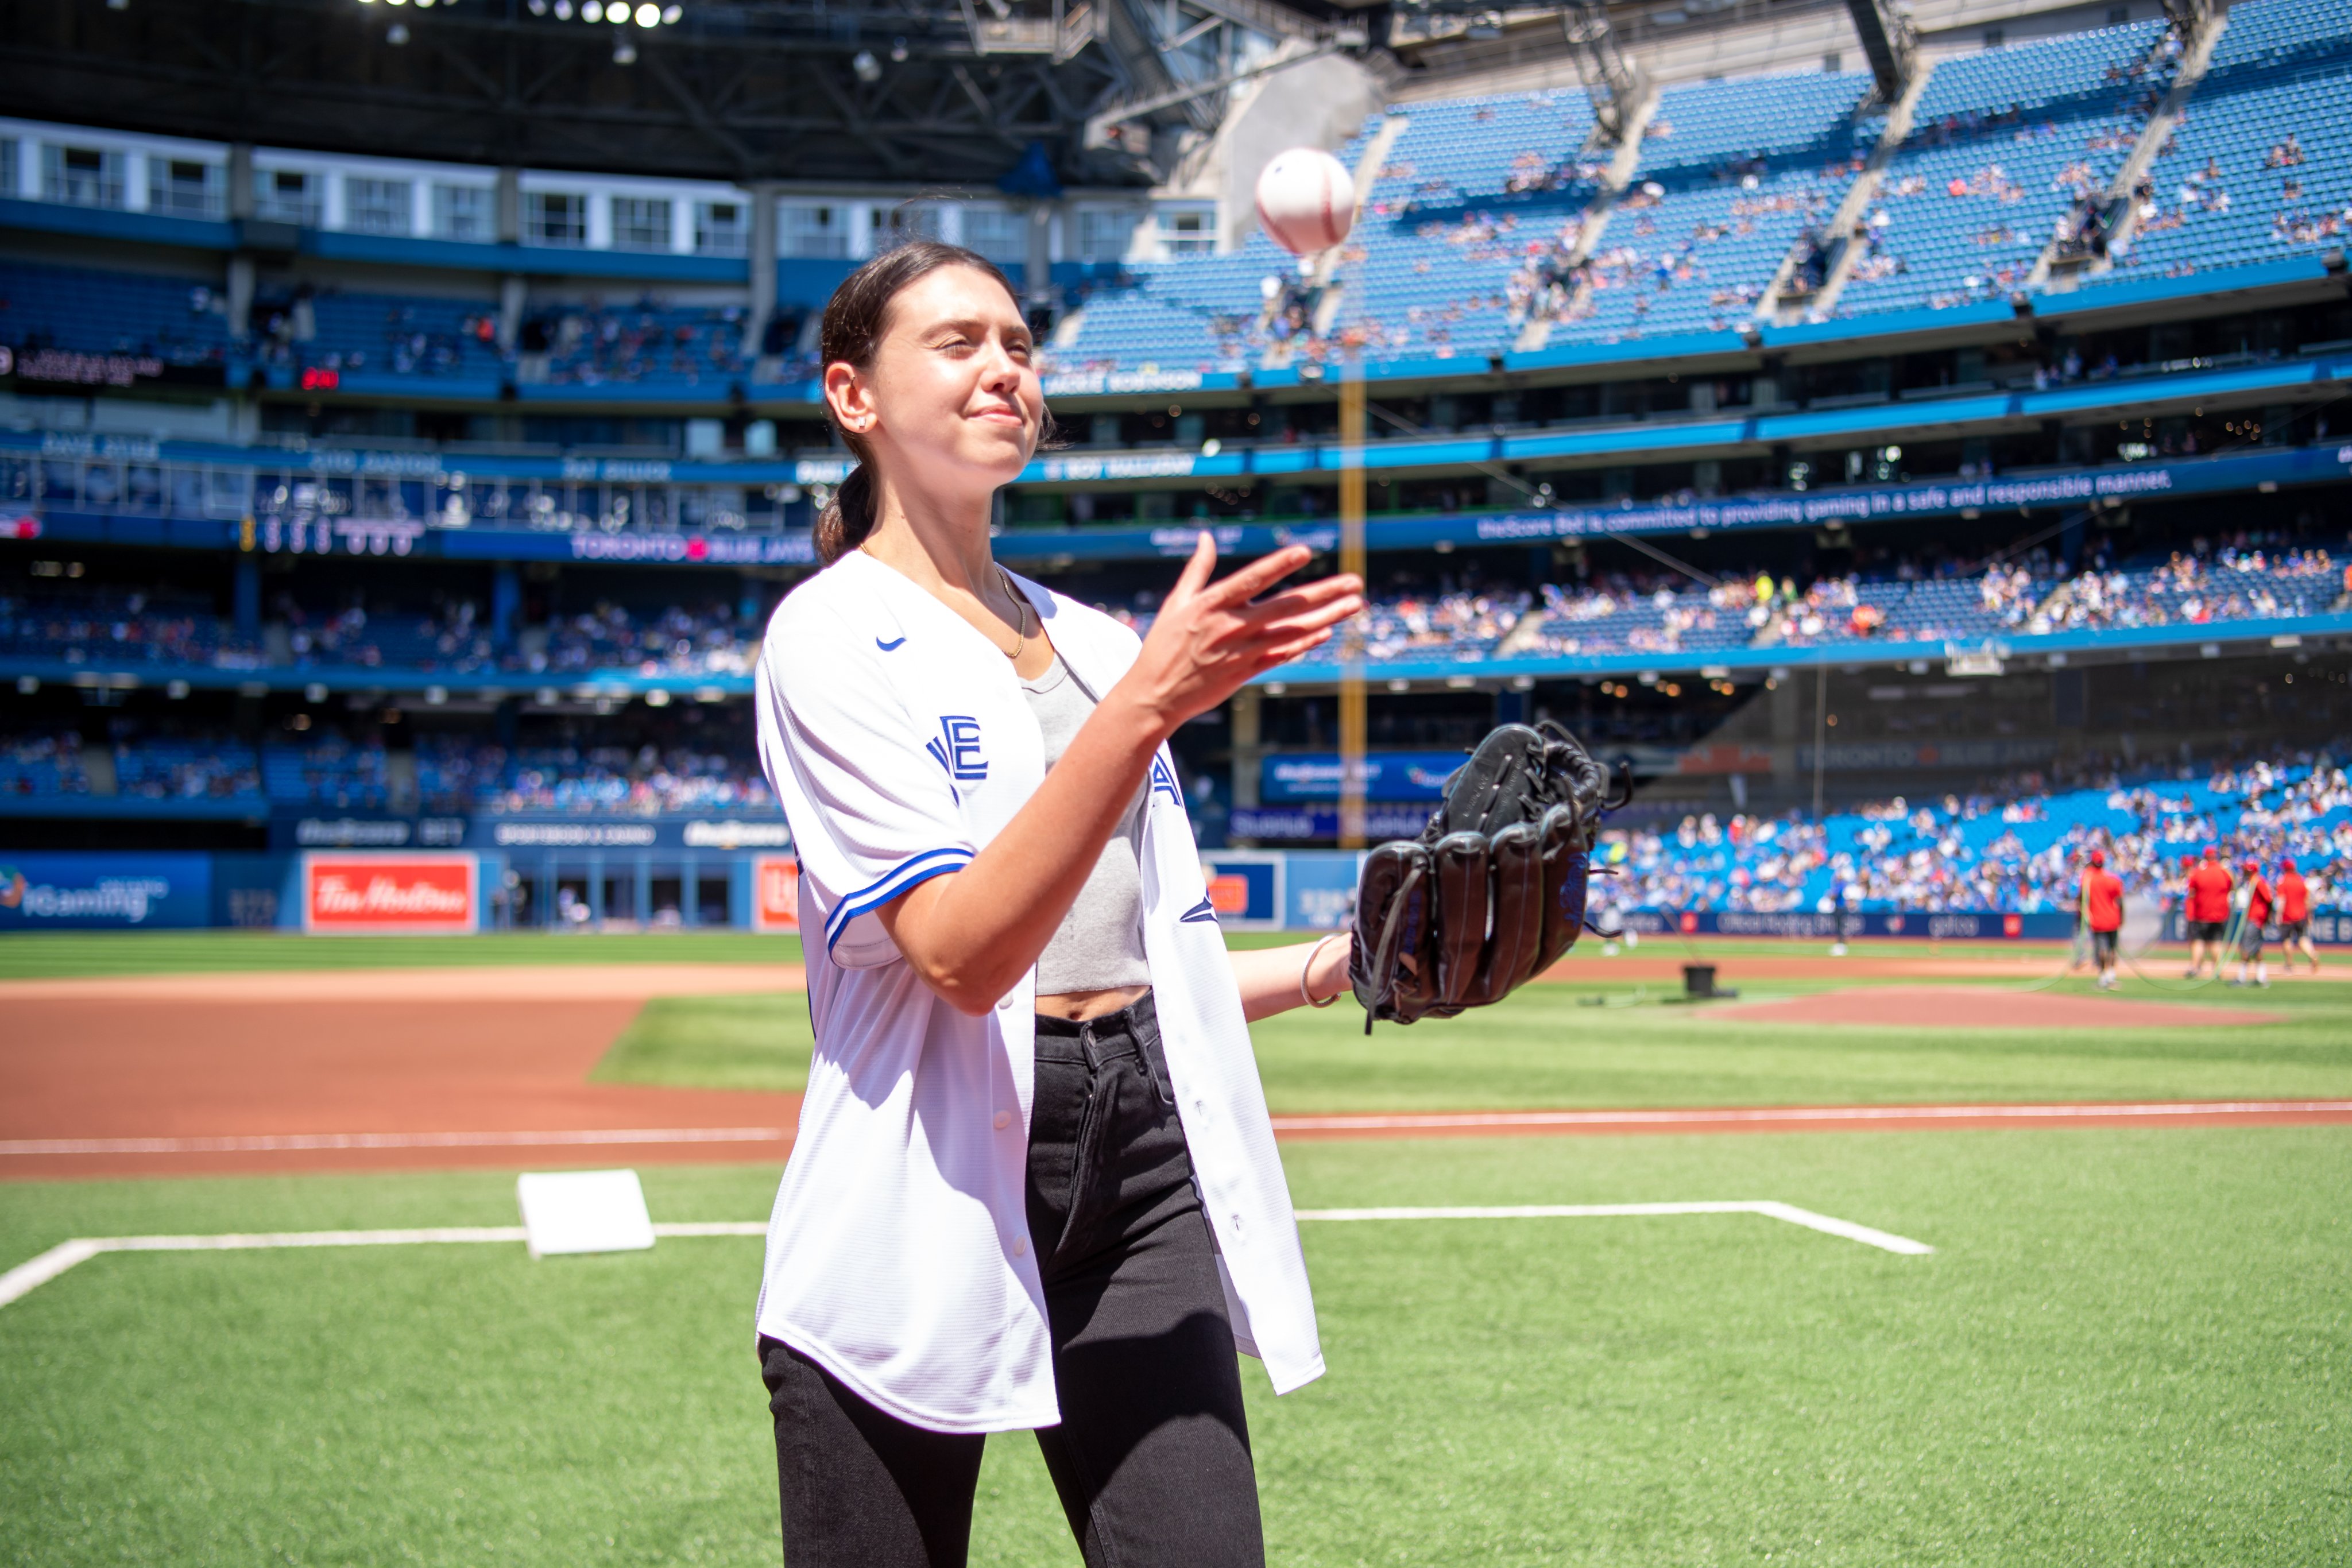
(640, 223)
(896, 225)
(1187, 231)
(722, 228)
(1103, 235)
(556, 218)
(378, 206)
(812, 231)
(287, 196)
(81, 176)
(1001, 235)
(462, 211)
(176, 187)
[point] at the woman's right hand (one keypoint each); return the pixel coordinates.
(1210, 637)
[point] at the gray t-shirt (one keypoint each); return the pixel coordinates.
(1100, 943)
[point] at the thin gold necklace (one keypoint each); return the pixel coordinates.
(1021, 614)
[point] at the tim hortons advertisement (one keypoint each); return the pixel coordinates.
(775, 893)
(419, 895)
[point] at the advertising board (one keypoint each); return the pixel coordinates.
(105, 891)
(775, 893)
(1389, 776)
(391, 894)
(1245, 888)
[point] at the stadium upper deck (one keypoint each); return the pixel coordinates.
(1567, 352)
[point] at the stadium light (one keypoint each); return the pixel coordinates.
(868, 69)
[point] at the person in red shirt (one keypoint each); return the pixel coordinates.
(2206, 910)
(2256, 901)
(2295, 915)
(2102, 912)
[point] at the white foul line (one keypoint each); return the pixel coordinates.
(26, 1277)
(277, 1143)
(1883, 1240)
(1767, 1114)
(29, 1276)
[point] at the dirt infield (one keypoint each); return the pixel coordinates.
(152, 1084)
(189, 1075)
(508, 983)
(1984, 1007)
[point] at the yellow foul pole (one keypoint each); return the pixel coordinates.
(1351, 559)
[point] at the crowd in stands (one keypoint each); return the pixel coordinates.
(646, 341)
(455, 775)
(2211, 582)
(131, 628)
(178, 322)
(2018, 847)
(109, 628)
(1952, 599)
(675, 641)
(2016, 850)
(1479, 231)
(452, 774)
(183, 321)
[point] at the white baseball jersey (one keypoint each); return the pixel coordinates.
(899, 1257)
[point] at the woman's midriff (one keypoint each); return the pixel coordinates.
(1080, 1006)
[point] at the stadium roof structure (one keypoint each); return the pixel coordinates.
(748, 91)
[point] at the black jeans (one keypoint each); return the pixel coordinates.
(1152, 1458)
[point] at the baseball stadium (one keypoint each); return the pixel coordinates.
(1784, 841)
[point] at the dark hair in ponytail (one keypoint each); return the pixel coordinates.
(856, 318)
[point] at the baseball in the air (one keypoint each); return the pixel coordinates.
(1306, 200)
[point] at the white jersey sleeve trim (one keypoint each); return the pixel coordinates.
(907, 875)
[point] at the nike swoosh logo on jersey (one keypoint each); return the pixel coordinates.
(891, 646)
(1203, 910)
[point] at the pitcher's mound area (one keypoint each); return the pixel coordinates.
(1961, 1007)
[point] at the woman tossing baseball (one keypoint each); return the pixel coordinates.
(1035, 1184)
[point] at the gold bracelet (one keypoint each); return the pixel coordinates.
(1314, 953)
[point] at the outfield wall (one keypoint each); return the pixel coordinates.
(455, 892)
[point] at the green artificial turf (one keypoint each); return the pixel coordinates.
(2130, 1347)
(39, 954)
(759, 1040)
(1544, 1047)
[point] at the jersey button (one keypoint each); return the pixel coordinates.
(1020, 1246)
(1003, 1119)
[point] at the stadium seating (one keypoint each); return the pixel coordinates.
(179, 320)
(332, 772)
(1468, 225)
(113, 628)
(182, 768)
(2258, 167)
(2016, 850)
(1621, 618)
(2001, 145)
(1464, 627)
(646, 343)
(403, 335)
(614, 779)
(1731, 173)
(39, 767)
